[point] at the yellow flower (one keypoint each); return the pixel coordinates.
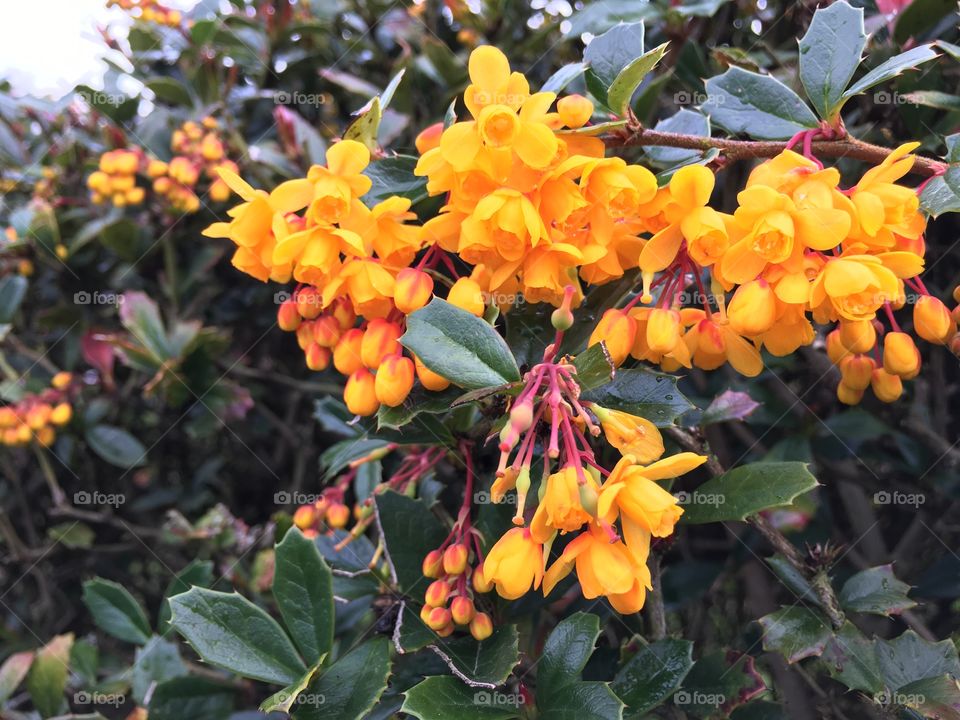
(561, 509)
(514, 564)
(338, 183)
(856, 286)
(617, 330)
(630, 434)
(492, 83)
(887, 210)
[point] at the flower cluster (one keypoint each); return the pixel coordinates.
(797, 250)
(150, 11)
(115, 179)
(36, 416)
(197, 150)
(531, 204)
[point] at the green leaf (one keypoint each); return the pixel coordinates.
(190, 698)
(793, 579)
(851, 659)
(169, 90)
(482, 664)
(876, 591)
(919, 16)
(608, 54)
(303, 589)
(563, 77)
(653, 674)
(409, 531)
(719, 683)
(47, 678)
(629, 79)
(686, 122)
(933, 697)
(942, 194)
(115, 611)
(13, 288)
(747, 490)
(561, 694)
(336, 457)
(729, 405)
(910, 658)
(12, 673)
(116, 446)
(796, 633)
(156, 662)
(418, 401)
(441, 696)
(283, 700)
(351, 686)
(594, 367)
(830, 53)
(643, 392)
(199, 573)
(891, 69)
(394, 176)
(229, 631)
(459, 346)
(756, 105)
(72, 534)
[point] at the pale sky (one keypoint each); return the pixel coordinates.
(48, 46)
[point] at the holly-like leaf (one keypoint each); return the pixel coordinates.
(747, 490)
(199, 573)
(116, 611)
(937, 698)
(156, 662)
(336, 457)
(561, 694)
(190, 698)
(459, 346)
(830, 53)
(718, 684)
(409, 531)
(350, 687)
(795, 632)
(876, 590)
(483, 664)
(642, 392)
(909, 658)
(892, 68)
(442, 696)
(563, 77)
(851, 658)
(594, 367)
(756, 105)
(418, 401)
(283, 700)
(229, 631)
(47, 678)
(653, 674)
(13, 288)
(394, 176)
(629, 79)
(685, 122)
(608, 54)
(117, 446)
(942, 194)
(303, 589)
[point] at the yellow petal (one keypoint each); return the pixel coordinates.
(673, 466)
(347, 157)
(692, 185)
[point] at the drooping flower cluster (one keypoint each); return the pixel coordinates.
(149, 11)
(37, 416)
(530, 204)
(198, 150)
(115, 179)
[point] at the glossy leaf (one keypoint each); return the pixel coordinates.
(685, 122)
(350, 687)
(756, 105)
(190, 698)
(851, 659)
(303, 589)
(651, 676)
(795, 632)
(481, 664)
(643, 392)
(409, 532)
(830, 53)
(156, 662)
(116, 611)
(876, 590)
(117, 446)
(442, 696)
(608, 54)
(892, 68)
(629, 79)
(594, 367)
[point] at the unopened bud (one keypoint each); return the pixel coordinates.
(413, 290)
(338, 515)
(318, 358)
(394, 380)
(432, 564)
(561, 319)
(288, 317)
(462, 610)
(455, 559)
(932, 321)
(467, 295)
(900, 355)
(481, 627)
(887, 387)
(480, 583)
(438, 618)
(437, 593)
(360, 394)
(305, 516)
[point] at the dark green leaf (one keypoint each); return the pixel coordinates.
(350, 687)
(937, 698)
(418, 401)
(229, 631)
(919, 16)
(303, 589)
(653, 674)
(157, 661)
(642, 392)
(116, 446)
(851, 658)
(394, 176)
(892, 68)
(482, 664)
(942, 194)
(876, 591)
(747, 490)
(12, 290)
(910, 658)
(116, 611)
(796, 633)
(685, 122)
(756, 105)
(830, 53)
(719, 683)
(409, 532)
(608, 54)
(563, 77)
(190, 698)
(594, 367)
(169, 90)
(441, 697)
(459, 346)
(336, 457)
(198, 572)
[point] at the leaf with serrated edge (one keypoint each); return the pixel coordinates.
(483, 664)
(626, 83)
(653, 674)
(350, 687)
(796, 633)
(756, 105)
(303, 589)
(830, 53)
(442, 696)
(876, 590)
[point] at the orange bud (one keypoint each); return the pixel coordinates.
(308, 302)
(46, 436)
(858, 336)
(429, 138)
(318, 358)
(437, 593)
(438, 618)
(462, 610)
(428, 378)
(379, 340)
(575, 110)
(480, 583)
(288, 317)
(359, 394)
(857, 371)
(345, 315)
(617, 330)
(900, 355)
(467, 295)
(305, 334)
(38, 416)
(663, 329)
(932, 320)
(752, 309)
(61, 380)
(848, 395)
(338, 515)
(888, 388)
(446, 630)
(413, 290)
(481, 627)
(432, 564)
(394, 380)
(8, 418)
(346, 354)
(305, 516)
(326, 331)
(836, 350)
(425, 613)
(455, 559)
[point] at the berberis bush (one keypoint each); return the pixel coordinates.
(588, 303)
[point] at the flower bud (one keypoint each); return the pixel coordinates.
(575, 110)
(437, 593)
(345, 315)
(467, 295)
(617, 330)
(561, 319)
(326, 331)
(455, 559)
(462, 610)
(394, 380)
(305, 335)
(752, 309)
(425, 613)
(318, 358)
(438, 618)
(429, 138)
(46, 436)
(480, 583)
(857, 371)
(836, 350)
(888, 388)
(446, 630)
(308, 302)
(156, 168)
(288, 317)
(379, 340)
(61, 380)
(8, 418)
(305, 516)
(932, 320)
(848, 395)
(521, 415)
(481, 627)
(857, 336)
(413, 290)
(337, 515)
(900, 355)
(663, 329)
(428, 378)
(360, 394)
(432, 564)
(346, 354)
(38, 416)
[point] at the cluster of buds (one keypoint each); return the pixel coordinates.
(36, 417)
(115, 180)
(327, 514)
(198, 151)
(149, 11)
